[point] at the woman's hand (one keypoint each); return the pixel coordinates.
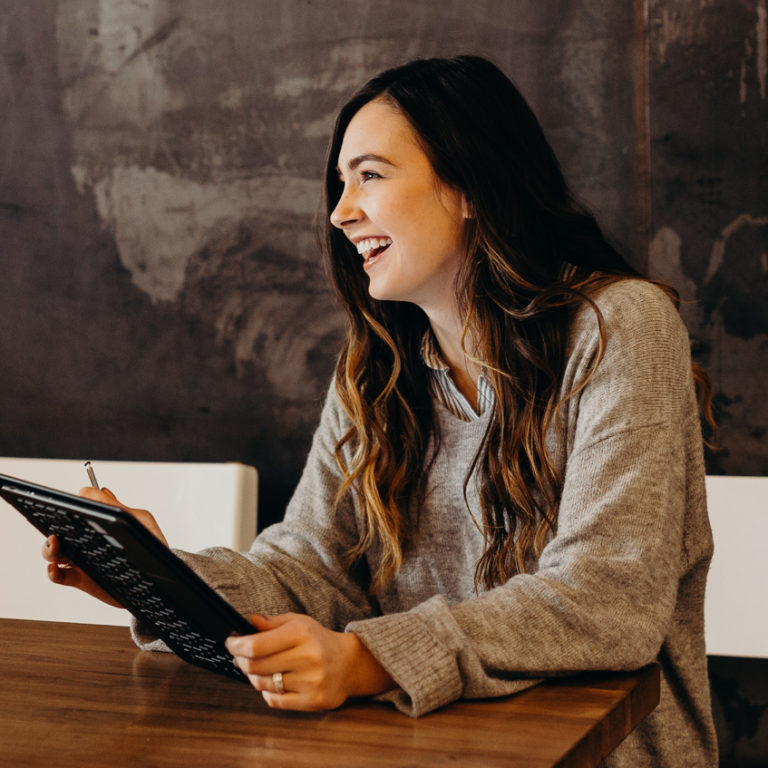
(320, 668)
(61, 570)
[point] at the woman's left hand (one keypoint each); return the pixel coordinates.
(320, 668)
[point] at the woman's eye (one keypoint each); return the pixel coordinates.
(368, 175)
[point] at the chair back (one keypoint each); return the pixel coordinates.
(197, 505)
(736, 604)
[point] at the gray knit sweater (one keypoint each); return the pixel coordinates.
(620, 585)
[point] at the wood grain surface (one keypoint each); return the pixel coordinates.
(75, 694)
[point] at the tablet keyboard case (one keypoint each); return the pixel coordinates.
(127, 561)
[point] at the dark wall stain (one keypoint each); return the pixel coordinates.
(709, 186)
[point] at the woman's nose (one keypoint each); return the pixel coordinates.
(346, 212)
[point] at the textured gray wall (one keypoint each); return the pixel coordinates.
(160, 166)
(709, 171)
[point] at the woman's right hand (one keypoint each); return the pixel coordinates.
(61, 570)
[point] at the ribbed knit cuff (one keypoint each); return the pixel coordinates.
(145, 638)
(426, 671)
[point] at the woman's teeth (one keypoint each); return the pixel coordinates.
(367, 247)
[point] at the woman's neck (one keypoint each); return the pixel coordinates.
(464, 370)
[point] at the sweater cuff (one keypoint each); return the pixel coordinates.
(426, 672)
(145, 638)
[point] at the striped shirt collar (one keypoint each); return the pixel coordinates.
(444, 388)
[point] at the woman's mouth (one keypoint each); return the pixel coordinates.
(371, 248)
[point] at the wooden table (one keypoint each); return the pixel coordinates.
(78, 694)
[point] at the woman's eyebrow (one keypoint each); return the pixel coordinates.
(355, 161)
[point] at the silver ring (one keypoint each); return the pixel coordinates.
(277, 679)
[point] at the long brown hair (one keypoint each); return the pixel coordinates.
(534, 257)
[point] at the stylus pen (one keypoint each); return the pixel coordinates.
(92, 475)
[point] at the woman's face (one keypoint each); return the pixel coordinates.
(407, 225)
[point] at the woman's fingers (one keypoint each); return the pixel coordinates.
(52, 552)
(270, 649)
(278, 683)
(105, 496)
(295, 701)
(71, 576)
(61, 570)
(311, 664)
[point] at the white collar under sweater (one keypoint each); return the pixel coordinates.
(444, 388)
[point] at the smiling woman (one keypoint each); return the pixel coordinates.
(408, 222)
(508, 480)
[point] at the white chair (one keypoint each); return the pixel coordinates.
(196, 505)
(736, 604)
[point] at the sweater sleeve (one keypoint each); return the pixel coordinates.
(297, 564)
(606, 585)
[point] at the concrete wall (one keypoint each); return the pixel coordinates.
(160, 286)
(160, 165)
(708, 106)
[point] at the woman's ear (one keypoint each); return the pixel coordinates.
(467, 209)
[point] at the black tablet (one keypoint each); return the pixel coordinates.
(135, 568)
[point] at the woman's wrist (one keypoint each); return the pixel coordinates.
(367, 676)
